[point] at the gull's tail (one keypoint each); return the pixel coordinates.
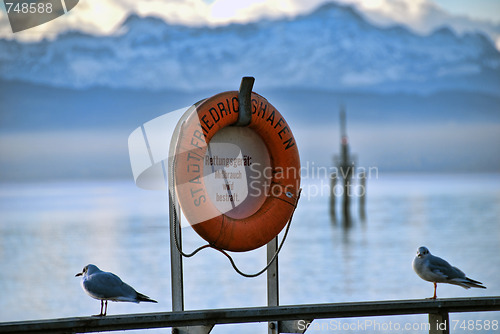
(144, 298)
(474, 284)
(467, 283)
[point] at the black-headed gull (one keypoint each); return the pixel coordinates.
(106, 286)
(436, 270)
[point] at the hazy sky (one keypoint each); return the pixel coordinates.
(478, 9)
(104, 16)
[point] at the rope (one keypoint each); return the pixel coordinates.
(275, 254)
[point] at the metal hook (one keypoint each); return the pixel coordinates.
(245, 101)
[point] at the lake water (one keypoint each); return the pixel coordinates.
(49, 231)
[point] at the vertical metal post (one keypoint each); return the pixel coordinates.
(439, 323)
(176, 273)
(177, 276)
(272, 282)
(175, 257)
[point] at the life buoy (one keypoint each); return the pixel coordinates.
(217, 228)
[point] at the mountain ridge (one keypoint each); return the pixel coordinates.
(333, 48)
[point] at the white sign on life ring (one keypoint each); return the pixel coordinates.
(234, 171)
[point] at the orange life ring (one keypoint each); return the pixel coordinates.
(218, 229)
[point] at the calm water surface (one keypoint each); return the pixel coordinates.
(49, 231)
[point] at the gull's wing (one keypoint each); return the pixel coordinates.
(441, 267)
(105, 285)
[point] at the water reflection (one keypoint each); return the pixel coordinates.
(343, 203)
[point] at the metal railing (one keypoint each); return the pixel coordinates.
(286, 316)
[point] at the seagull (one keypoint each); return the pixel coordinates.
(106, 286)
(436, 270)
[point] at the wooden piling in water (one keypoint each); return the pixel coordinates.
(333, 183)
(362, 197)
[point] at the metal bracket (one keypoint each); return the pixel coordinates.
(204, 329)
(439, 322)
(245, 101)
(294, 326)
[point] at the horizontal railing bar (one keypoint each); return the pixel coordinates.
(252, 314)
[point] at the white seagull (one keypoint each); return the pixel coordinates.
(436, 270)
(106, 286)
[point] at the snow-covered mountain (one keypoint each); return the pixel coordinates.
(333, 48)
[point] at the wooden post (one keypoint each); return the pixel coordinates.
(346, 213)
(362, 196)
(333, 178)
(346, 202)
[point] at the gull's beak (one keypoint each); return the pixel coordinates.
(79, 274)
